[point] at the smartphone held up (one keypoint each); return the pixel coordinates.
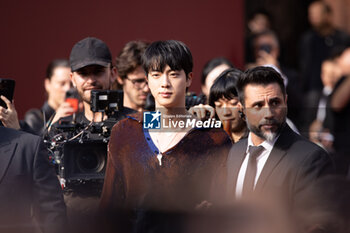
(7, 89)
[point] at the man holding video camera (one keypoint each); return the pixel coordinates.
(91, 70)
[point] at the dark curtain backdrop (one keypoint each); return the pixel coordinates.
(35, 32)
(289, 21)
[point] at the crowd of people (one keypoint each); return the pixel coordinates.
(278, 162)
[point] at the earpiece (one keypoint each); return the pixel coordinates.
(241, 114)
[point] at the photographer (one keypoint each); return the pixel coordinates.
(91, 69)
(266, 52)
(57, 83)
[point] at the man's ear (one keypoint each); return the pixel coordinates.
(285, 99)
(47, 84)
(120, 80)
(241, 110)
(240, 106)
(189, 79)
(72, 79)
(204, 90)
(113, 75)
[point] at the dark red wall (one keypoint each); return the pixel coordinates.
(35, 32)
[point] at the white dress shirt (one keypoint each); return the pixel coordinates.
(261, 160)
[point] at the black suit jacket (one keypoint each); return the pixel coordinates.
(28, 185)
(293, 164)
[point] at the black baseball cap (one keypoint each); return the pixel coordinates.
(89, 51)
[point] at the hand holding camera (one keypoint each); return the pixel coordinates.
(266, 56)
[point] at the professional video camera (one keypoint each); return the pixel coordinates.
(79, 150)
(192, 99)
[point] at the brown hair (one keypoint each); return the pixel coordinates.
(130, 57)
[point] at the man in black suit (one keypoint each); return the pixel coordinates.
(273, 160)
(29, 187)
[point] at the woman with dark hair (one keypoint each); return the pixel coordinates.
(224, 98)
(211, 71)
(57, 83)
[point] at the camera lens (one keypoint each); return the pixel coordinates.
(84, 161)
(90, 162)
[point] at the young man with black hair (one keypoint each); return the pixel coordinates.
(153, 174)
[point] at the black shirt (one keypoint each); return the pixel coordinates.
(36, 118)
(340, 125)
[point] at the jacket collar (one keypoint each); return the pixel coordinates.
(234, 162)
(238, 152)
(7, 149)
(278, 152)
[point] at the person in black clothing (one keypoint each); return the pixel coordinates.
(91, 69)
(29, 188)
(57, 83)
(259, 21)
(266, 52)
(316, 45)
(339, 114)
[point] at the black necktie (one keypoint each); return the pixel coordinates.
(248, 185)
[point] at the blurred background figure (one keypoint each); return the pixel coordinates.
(324, 207)
(211, 71)
(315, 116)
(339, 104)
(265, 52)
(57, 83)
(131, 76)
(254, 216)
(316, 45)
(224, 98)
(259, 21)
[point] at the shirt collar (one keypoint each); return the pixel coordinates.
(266, 144)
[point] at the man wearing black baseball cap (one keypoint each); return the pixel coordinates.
(91, 69)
